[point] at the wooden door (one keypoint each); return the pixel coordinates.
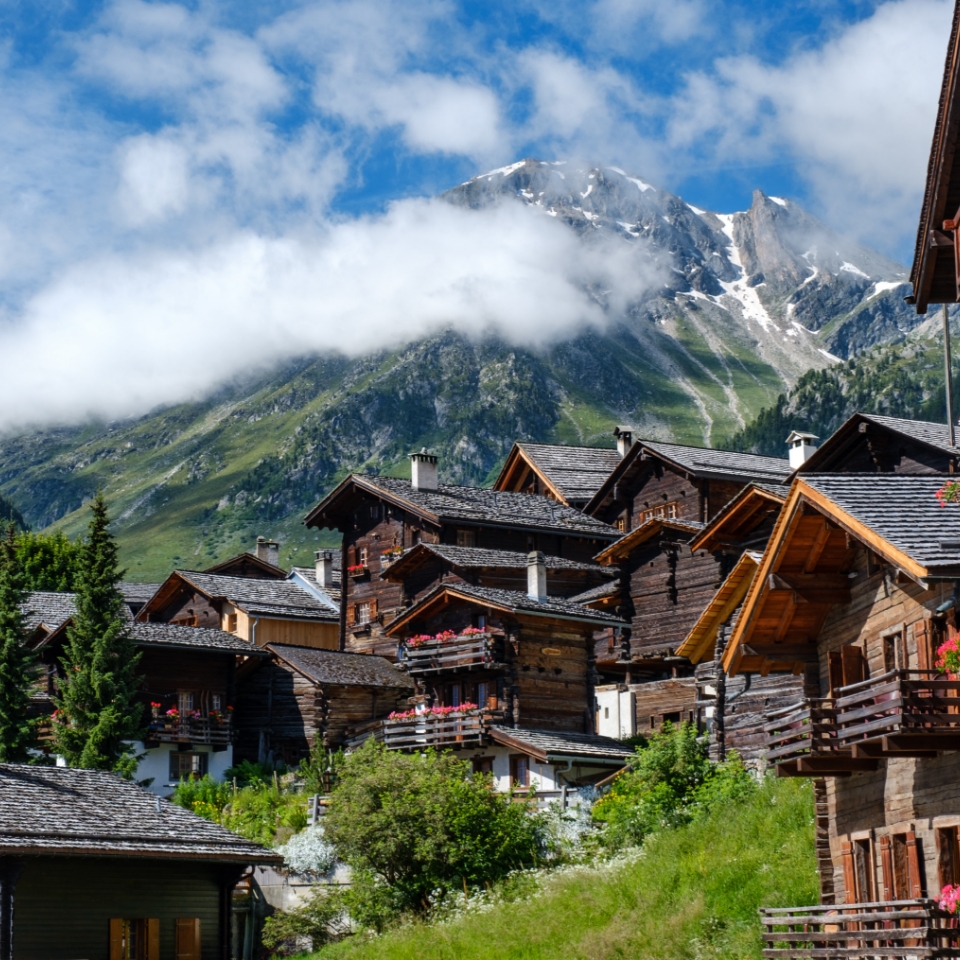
(188, 939)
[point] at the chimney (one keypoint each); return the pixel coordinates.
(801, 446)
(536, 575)
(423, 470)
(268, 550)
(325, 568)
(624, 437)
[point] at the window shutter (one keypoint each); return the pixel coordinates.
(849, 876)
(886, 865)
(835, 664)
(914, 876)
(946, 856)
(351, 614)
(116, 939)
(373, 610)
(351, 557)
(921, 632)
(188, 939)
(854, 666)
(153, 939)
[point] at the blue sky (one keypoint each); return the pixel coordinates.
(159, 157)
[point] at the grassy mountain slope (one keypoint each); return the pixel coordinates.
(692, 895)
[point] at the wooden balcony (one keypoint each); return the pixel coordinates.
(857, 931)
(472, 652)
(217, 734)
(452, 731)
(802, 742)
(900, 713)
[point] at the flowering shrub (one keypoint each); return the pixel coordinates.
(357, 568)
(433, 713)
(949, 898)
(173, 713)
(949, 493)
(445, 637)
(155, 706)
(221, 716)
(948, 657)
(392, 553)
(307, 853)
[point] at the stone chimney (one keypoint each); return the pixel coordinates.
(801, 445)
(624, 437)
(268, 550)
(423, 470)
(325, 568)
(536, 575)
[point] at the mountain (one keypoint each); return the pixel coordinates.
(753, 301)
(10, 514)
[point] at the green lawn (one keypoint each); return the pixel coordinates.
(694, 894)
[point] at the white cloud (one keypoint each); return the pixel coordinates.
(154, 178)
(248, 301)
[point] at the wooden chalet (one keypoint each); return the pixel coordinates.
(259, 610)
(381, 517)
(298, 696)
(494, 665)
(97, 867)
(867, 443)
(263, 563)
(188, 690)
(568, 474)
(854, 593)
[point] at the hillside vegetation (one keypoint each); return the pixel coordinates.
(692, 894)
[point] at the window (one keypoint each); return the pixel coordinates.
(452, 698)
(184, 765)
(135, 939)
(230, 623)
(846, 665)
(363, 612)
(185, 702)
(666, 511)
(894, 650)
(216, 702)
(863, 871)
(362, 556)
(483, 765)
(900, 866)
(520, 771)
(948, 857)
(466, 538)
(483, 694)
(185, 621)
(621, 524)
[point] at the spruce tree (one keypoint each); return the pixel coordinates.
(17, 733)
(97, 709)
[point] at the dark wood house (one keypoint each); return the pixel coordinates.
(299, 695)
(94, 866)
(381, 517)
(567, 474)
(855, 592)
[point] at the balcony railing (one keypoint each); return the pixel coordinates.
(857, 931)
(802, 742)
(450, 731)
(902, 712)
(470, 652)
(190, 730)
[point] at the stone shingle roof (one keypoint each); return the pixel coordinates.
(279, 598)
(933, 434)
(47, 609)
(331, 594)
(191, 638)
(343, 669)
(601, 592)
(137, 592)
(549, 744)
(902, 509)
(489, 507)
(577, 472)
(722, 463)
(474, 557)
(57, 810)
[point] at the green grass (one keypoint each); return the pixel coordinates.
(694, 894)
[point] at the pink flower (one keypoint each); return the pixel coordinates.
(949, 898)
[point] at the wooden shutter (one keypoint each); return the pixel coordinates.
(116, 939)
(947, 856)
(351, 614)
(921, 632)
(914, 876)
(188, 939)
(854, 666)
(835, 665)
(886, 866)
(373, 609)
(153, 939)
(849, 875)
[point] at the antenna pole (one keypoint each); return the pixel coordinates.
(948, 378)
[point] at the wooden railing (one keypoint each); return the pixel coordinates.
(190, 730)
(899, 711)
(463, 653)
(802, 741)
(453, 730)
(857, 931)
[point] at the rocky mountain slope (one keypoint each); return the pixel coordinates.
(754, 300)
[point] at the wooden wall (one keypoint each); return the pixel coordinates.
(659, 700)
(296, 633)
(882, 452)
(201, 672)
(187, 606)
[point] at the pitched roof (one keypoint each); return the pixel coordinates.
(512, 601)
(932, 274)
(739, 512)
(58, 810)
(277, 598)
(47, 609)
(574, 473)
(482, 558)
(137, 592)
(242, 562)
(342, 669)
(191, 638)
(601, 592)
(474, 505)
(646, 531)
(329, 594)
(547, 745)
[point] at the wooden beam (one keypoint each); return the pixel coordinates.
(812, 588)
(819, 543)
(785, 620)
(784, 653)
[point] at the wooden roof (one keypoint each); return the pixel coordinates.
(699, 642)
(571, 474)
(741, 516)
(933, 274)
(622, 549)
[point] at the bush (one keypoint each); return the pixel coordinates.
(308, 853)
(670, 782)
(416, 828)
(319, 921)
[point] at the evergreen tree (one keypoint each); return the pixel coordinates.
(17, 733)
(97, 709)
(48, 561)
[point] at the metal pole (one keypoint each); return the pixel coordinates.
(948, 378)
